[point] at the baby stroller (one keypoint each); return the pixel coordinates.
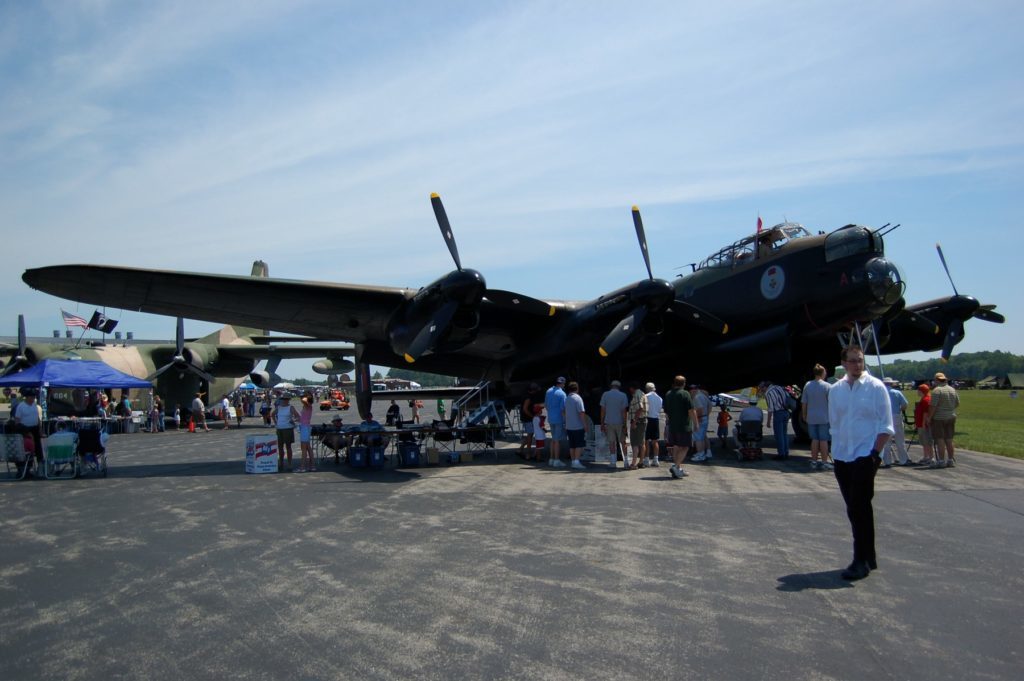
(92, 454)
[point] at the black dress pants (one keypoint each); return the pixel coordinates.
(857, 484)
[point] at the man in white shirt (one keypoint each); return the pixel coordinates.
(27, 420)
(653, 434)
(860, 420)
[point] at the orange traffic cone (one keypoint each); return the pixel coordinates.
(191, 425)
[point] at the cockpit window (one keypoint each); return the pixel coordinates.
(851, 240)
(755, 246)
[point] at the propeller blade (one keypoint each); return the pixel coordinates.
(161, 370)
(954, 334)
(446, 229)
(429, 334)
(517, 301)
(21, 336)
(19, 360)
(642, 238)
(987, 313)
(938, 247)
(692, 314)
(179, 337)
(614, 340)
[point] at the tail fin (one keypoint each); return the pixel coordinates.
(259, 269)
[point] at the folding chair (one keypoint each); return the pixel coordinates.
(444, 436)
(12, 450)
(92, 454)
(61, 460)
(332, 443)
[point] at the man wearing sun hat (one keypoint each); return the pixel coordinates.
(942, 420)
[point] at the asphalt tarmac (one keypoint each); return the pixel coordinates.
(179, 565)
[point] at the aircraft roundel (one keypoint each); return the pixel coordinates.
(773, 280)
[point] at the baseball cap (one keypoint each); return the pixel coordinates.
(939, 376)
(616, 384)
(561, 380)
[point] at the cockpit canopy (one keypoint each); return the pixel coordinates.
(852, 240)
(755, 246)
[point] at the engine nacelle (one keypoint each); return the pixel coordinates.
(333, 365)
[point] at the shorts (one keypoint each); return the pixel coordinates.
(702, 430)
(723, 432)
(557, 431)
(528, 428)
(924, 435)
(285, 436)
(304, 433)
(615, 433)
(819, 431)
(943, 430)
(653, 429)
(577, 438)
(636, 435)
(683, 439)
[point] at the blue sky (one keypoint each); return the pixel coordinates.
(203, 135)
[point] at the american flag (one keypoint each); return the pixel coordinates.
(73, 320)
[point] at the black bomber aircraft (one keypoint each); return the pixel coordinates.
(770, 305)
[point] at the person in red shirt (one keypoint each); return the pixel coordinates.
(924, 433)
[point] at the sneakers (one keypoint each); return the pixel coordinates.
(936, 464)
(655, 463)
(816, 464)
(698, 458)
(677, 472)
(826, 466)
(950, 463)
(707, 455)
(577, 465)
(558, 463)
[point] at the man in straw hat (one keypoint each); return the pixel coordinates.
(942, 420)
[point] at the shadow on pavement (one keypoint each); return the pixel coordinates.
(813, 580)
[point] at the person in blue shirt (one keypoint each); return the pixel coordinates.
(899, 403)
(554, 403)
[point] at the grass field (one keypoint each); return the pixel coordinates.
(987, 421)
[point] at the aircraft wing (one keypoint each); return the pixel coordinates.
(287, 351)
(345, 311)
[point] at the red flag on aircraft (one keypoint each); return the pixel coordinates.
(71, 320)
(759, 224)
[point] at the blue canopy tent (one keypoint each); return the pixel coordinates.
(72, 373)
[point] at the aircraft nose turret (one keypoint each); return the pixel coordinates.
(885, 282)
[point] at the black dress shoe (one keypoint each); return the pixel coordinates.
(858, 569)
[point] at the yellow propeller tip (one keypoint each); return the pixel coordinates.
(725, 329)
(601, 352)
(636, 208)
(551, 310)
(435, 195)
(409, 358)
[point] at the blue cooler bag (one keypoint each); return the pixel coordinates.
(357, 457)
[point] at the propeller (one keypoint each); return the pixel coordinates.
(657, 297)
(178, 361)
(966, 306)
(20, 360)
(987, 313)
(461, 288)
